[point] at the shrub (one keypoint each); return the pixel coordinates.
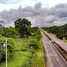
(10, 32)
(38, 37)
(10, 47)
(2, 51)
(33, 46)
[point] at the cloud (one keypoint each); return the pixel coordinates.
(14, 4)
(10, 1)
(38, 15)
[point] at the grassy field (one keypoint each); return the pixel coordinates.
(23, 58)
(19, 59)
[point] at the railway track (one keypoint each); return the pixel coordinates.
(59, 48)
(61, 52)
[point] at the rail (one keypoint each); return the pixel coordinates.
(62, 51)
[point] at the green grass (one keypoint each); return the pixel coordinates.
(3, 64)
(39, 61)
(21, 57)
(66, 41)
(20, 43)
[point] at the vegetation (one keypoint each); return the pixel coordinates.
(27, 53)
(10, 32)
(66, 41)
(10, 46)
(59, 31)
(24, 45)
(22, 26)
(1, 29)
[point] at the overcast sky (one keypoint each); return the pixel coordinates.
(39, 12)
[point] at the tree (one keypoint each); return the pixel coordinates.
(59, 31)
(10, 32)
(22, 26)
(1, 29)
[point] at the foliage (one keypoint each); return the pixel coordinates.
(25, 52)
(33, 46)
(2, 52)
(19, 59)
(59, 31)
(35, 31)
(10, 32)
(1, 29)
(22, 26)
(10, 46)
(38, 37)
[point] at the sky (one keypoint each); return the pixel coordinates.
(39, 12)
(7, 4)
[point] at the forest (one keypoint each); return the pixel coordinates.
(59, 31)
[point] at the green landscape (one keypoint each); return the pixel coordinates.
(59, 31)
(33, 33)
(24, 45)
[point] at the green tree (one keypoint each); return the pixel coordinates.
(22, 26)
(59, 31)
(10, 32)
(1, 29)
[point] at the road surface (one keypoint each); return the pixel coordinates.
(54, 57)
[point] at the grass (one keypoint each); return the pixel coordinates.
(3, 64)
(21, 57)
(39, 61)
(66, 41)
(20, 43)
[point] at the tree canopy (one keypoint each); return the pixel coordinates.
(10, 32)
(59, 31)
(22, 26)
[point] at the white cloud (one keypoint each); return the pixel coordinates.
(8, 6)
(16, 5)
(55, 2)
(35, 13)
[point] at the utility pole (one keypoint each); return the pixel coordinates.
(5, 45)
(6, 52)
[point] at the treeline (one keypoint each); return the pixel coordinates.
(59, 31)
(22, 29)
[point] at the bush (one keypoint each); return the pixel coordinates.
(38, 37)
(10, 32)
(10, 46)
(60, 35)
(33, 46)
(2, 51)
